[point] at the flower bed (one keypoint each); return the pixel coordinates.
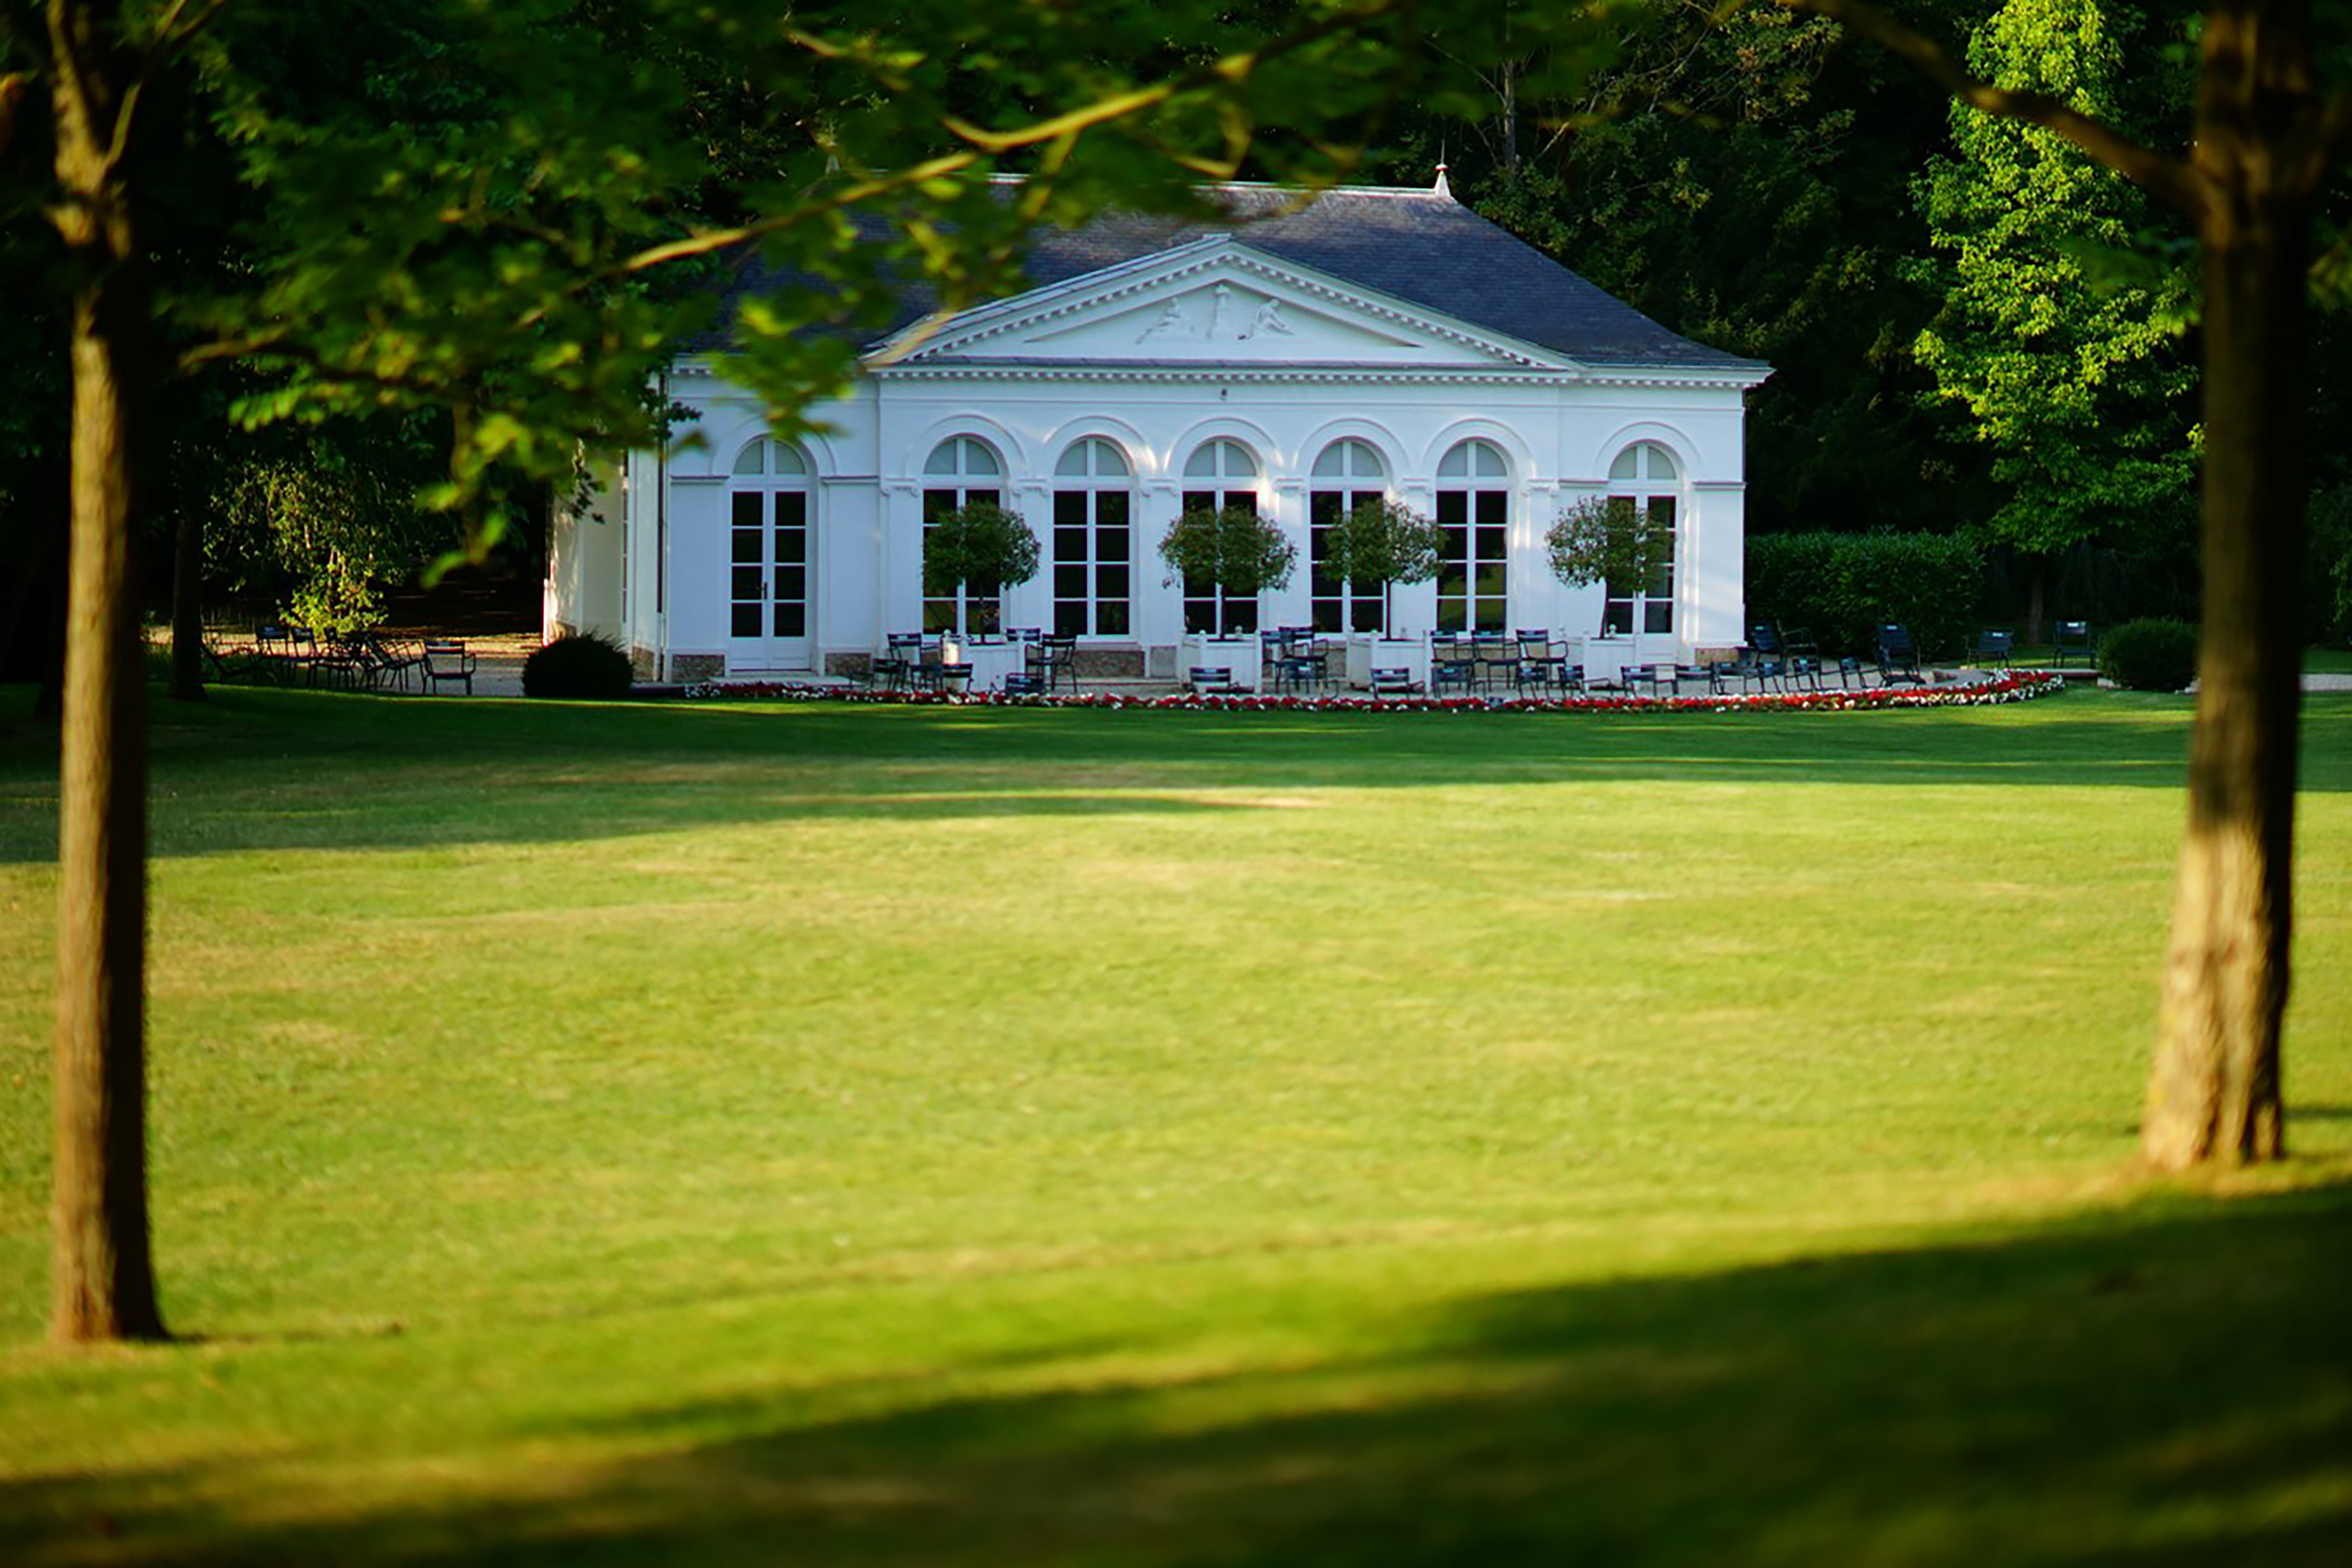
(2017, 687)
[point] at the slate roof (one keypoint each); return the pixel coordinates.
(1419, 245)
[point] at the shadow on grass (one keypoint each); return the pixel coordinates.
(256, 769)
(2167, 1385)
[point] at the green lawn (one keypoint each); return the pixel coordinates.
(808, 1134)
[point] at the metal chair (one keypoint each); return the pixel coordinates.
(1898, 655)
(447, 659)
(2075, 638)
(1993, 643)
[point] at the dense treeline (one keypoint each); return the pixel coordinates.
(1973, 327)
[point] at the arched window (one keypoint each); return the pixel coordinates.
(962, 471)
(1473, 507)
(1094, 543)
(768, 557)
(1643, 482)
(1220, 473)
(1346, 474)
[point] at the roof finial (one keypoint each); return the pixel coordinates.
(1442, 188)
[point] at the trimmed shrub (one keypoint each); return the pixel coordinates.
(1842, 587)
(578, 666)
(2149, 655)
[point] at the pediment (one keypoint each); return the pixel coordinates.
(1212, 302)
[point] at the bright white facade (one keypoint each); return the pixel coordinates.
(1212, 370)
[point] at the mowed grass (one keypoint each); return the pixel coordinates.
(913, 1135)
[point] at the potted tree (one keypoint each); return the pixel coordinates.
(1225, 558)
(1610, 540)
(1381, 543)
(976, 551)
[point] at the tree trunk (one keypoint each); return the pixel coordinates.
(2214, 1092)
(188, 606)
(103, 1285)
(2037, 597)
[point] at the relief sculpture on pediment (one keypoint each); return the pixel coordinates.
(1231, 318)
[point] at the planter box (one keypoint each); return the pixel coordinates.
(1240, 655)
(1367, 654)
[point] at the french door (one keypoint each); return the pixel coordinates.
(768, 581)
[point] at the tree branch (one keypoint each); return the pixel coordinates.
(2169, 180)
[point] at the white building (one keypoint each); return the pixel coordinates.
(1372, 343)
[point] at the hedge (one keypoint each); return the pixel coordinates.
(1842, 587)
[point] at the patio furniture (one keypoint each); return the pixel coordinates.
(1452, 664)
(2075, 640)
(1394, 683)
(1851, 676)
(1054, 660)
(447, 659)
(895, 670)
(1993, 643)
(1898, 655)
(1205, 678)
(1022, 684)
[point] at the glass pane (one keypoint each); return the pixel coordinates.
(792, 546)
(1327, 614)
(792, 509)
(1366, 461)
(1617, 617)
(745, 621)
(1455, 464)
(747, 509)
(982, 497)
(792, 620)
(789, 459)
(977, 459)
(1662, 511)
(1490, 581)
(1110, 545)
(748, 543)
(936, 502)
(1626, 465)
(1069, 582)
(1322, 509)
(942, 459)
(1201, 464)
(1074, 461)
(1111, 619)
(1452, 510)
(1239, 462)
(1452, 579)
(1111, 582)
(746, 582)
(1658, 616)
(1069, 508)
(1490, 544)
(1199, 500)
(939, 614)
(1333, 460)
(1109, 461)
(792, 582)
(751, 459)
(1494, 509)
(1070, 618)
(1110, 509)
(1490, 615)
(1367, 612)
(1200, 617)
(1450, 613)
(1069, 544)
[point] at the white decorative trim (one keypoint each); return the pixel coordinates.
(1214, 254)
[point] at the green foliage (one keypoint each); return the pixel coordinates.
(2328, 581)
(1608, 539)
(2061, 328)
(2150, 655)
(982, 547)
(578, 664)
(319, 535)
(1380, 543)
(1232, 546)
(1842, 587)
